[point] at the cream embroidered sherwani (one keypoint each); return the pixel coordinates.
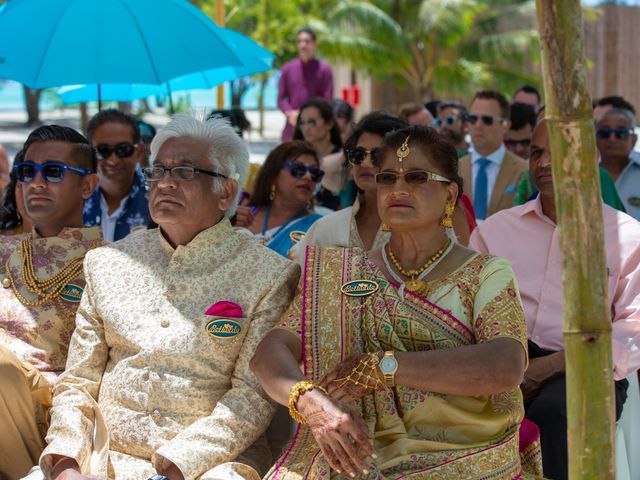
(143, 372)
(34, 341)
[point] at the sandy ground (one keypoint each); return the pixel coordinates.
(13, 131)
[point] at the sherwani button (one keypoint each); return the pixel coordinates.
(165, 323)
(156, 416)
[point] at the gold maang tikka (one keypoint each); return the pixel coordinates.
(403, 152)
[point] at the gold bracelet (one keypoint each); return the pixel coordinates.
(295, 392)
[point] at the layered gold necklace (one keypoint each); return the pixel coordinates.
(45, 290)
(416, 284)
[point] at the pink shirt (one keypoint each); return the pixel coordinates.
(526, 237)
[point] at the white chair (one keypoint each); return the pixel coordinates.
(628, 434)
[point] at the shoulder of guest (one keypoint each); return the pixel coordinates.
(138, 240)
(505, 218)
(259, 255)
(617, 223)
(519, 161)
(8, 245)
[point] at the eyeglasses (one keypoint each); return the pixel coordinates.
(311, 122)
(486, 119)
(156, 173)
(122, 150)
(52, 172)
(620, 133)
(414, 177)
(526, 143)
(356, 156)
(448, 120)
(299, 170)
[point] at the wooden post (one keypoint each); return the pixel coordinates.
(587, 318)
(220, 22)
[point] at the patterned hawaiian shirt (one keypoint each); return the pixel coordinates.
(135, 211)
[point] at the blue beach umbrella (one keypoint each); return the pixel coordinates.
(255, 59)
(48, 43)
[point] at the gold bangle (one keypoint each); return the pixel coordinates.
(295, 392)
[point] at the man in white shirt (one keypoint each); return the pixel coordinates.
(490, 172)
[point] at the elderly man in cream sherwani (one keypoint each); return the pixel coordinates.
(158, 381)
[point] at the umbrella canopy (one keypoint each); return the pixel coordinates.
(45, 43)
(256, 59)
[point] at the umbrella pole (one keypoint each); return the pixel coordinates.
(99, 98)
(171, 110)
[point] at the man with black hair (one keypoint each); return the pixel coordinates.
(120, 203)
(450, 123)
(604, 104)
(42, 282)
(529, 95)
(518, 137)
(302, 79)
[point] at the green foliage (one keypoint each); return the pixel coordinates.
(452, 47)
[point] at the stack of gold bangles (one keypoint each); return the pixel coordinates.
(295, 392)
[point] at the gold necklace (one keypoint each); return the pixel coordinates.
(417, 285)
(48, 289)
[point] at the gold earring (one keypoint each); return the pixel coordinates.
(447, 219)
(385, 228)
(272, 194)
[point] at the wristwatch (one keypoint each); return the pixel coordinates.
(388, 366)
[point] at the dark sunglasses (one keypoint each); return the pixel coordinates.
(449, 120)
(356, 156)
(52, 172)
(488, 120)
(414, 177)
(526, 143)
(299, 170)
(620, 133)
(122, 150)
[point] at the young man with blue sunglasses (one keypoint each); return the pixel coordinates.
(42, 282)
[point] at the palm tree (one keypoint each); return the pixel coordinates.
(449, 46)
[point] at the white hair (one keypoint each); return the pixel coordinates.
(228, 153)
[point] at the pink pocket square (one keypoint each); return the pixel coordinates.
(225, 309)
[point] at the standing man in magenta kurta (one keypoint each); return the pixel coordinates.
(301, 79)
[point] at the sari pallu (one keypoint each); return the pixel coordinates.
(416, 434)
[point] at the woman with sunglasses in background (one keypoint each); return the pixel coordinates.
(317, 125)
(413, 353)
(281, 210)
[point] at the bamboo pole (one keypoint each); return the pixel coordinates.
(220, 22)
(587, 319)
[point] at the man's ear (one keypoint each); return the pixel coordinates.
(89, 184)
(229, 192)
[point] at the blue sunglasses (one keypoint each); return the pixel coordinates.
(52, 172)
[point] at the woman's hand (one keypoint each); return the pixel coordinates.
(339, 431)
(244, 217)
(352, 379)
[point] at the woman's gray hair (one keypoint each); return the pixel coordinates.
(228, 153)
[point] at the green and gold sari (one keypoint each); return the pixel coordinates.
(416, 434)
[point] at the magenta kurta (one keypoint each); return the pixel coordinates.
(299, 82)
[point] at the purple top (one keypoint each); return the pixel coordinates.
(300, 82)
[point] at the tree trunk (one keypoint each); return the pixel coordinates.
(32, 104)
(263, 84)
(587, 319)
(84, 116)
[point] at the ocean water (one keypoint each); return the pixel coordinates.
(12, 97)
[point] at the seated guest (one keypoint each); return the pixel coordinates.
(411, 355)
(158, 378)
(120, 202)
(42, 282)
(415, 113)
(280, 210)
(616, 137)
(13, 217)
(317, 125)
(527, 236)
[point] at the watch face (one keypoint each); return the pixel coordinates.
(388, 364)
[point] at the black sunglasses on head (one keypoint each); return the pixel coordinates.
(122, 150)
(298, 170)
(620, 133)
(357, 155)
(488, 120)
(52, 172)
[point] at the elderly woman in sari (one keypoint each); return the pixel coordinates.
(411, 354)
(281, 209)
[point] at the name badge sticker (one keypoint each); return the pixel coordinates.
(72, 293)
(223, 328)
(359, 288)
